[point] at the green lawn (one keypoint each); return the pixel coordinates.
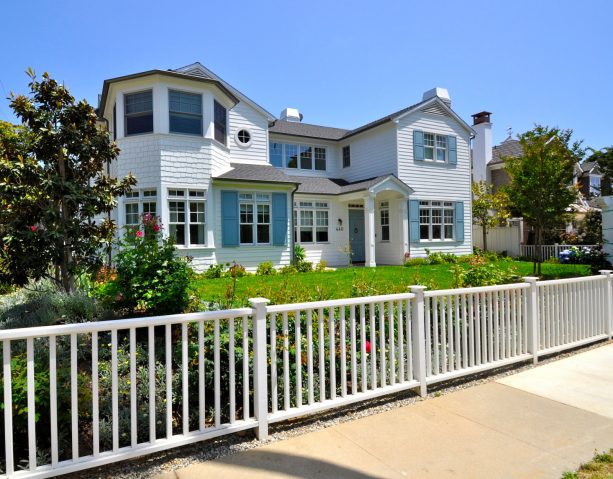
(349, 282)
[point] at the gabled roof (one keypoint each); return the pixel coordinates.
(250, 173)
(589, 168)
(199, 70)
(283, 127)
(169, 73)
(508, 148)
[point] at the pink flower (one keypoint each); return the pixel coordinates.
(156, 228)
(33, 227)
(147, 217)
(367, 347)
(139, 234)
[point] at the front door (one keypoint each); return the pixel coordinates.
(356, 235)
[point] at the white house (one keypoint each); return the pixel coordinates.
(231, 182)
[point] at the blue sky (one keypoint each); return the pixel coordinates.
(343, 63)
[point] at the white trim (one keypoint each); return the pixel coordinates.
(435, 99)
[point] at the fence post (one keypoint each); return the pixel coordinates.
(609, 302)
(260, 367)
(532, 318)
(419, 338)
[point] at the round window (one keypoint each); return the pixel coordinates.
(243, 137)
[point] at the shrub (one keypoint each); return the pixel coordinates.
(482, 273)
(236, 270)
(214, 271)
(150, 278)
(288, 269)
(416, 262)
(439, 257)
(300, 262)
(266, 269)
(321, 266)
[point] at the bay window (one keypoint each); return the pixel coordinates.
(138, 113)
(138, 203)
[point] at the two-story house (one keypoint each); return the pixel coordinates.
(231, 182)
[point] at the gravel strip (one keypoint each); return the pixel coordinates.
(181, 457)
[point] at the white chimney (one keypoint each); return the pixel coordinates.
(291, 114)
(442, 93)
(482, 145)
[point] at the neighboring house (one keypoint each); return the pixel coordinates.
(488, 164)
(231, 182)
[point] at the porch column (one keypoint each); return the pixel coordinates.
(404, 224)
(369, 231)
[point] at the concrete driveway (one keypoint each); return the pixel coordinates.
(535, 424)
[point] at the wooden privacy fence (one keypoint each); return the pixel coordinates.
(548, 251)
(82, 395)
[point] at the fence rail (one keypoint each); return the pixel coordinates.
(544, 252)
(83, 395)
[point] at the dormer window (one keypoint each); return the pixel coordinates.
(138, 113)
(185, 113)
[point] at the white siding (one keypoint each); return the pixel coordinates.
(332, 251)
(436, 181)
(392, 251)
(242, 116)
(373, 153)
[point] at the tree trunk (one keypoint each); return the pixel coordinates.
(484, 237)
(66, 260)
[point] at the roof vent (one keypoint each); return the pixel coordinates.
(442, 93)
(291, 114)
(481, 117)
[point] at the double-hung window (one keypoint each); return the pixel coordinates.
(187, 217)
(138, 203)
(254, 218)
(384, 214)
(320, 158)
(185, 112)
(311, 222)
(436, 220)
(138, 113)
(435, 147)
(346, 156)
(276, 154)
(220, 122)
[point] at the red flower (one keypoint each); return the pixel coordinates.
(33, 227)
(139, 234)
(156, 228)
(367, 347)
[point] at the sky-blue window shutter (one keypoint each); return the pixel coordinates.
(229, 218)
(279, 219)
(418, 145)
(452, 153)
(414, 221)
(459, 221)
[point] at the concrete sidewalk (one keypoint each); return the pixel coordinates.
(535, 424)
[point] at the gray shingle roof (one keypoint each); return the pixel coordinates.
(255, 173)
(306, 184)
(295, 128)
(508, 148)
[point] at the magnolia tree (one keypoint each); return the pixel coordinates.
(52, 185)
(490, 208)
(541, 180)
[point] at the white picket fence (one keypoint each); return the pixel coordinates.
(209, 374)
(548, 251)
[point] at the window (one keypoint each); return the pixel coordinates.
(436, 220)
(185, 110)
(220, 121)
(346, 156)
(435, 147)
(385, 221)
(305, 157)
(254, 220)
(187, 217)
(594, 185)
(138, 113)
(139, 203)
(291, 156)
(320, 158)
(243, 137)
(276, 154)
(311, 222)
